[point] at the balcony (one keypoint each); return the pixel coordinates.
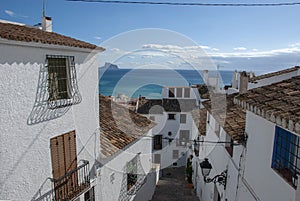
(69, 186)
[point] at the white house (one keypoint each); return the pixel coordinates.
(49, 114)
(256, 141)
(173, 132)
(127, 172)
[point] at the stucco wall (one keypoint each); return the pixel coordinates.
(25, 149)
(110, 179)
(271, 80)
(266, 183)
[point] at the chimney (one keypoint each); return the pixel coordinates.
(205, 77)
(47, 24)
(234, 81)
(243, 83)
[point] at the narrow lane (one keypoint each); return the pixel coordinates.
(173, 186)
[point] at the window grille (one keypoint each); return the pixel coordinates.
(62, 82)
(286, 154)
(134, 178)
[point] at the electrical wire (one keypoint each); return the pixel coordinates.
(191, 3)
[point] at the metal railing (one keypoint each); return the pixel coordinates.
(69, 186)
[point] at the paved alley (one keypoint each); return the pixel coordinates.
(172, 186)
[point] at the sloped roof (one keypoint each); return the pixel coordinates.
(119, 126)
(268, 75)
(231, 117)
(21, 33)
(157, 106)
(199, 117)
(278, 103)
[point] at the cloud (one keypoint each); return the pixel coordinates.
(294, 45)
(10, 13)
(254, 50)
(239, 48)
(97, 37)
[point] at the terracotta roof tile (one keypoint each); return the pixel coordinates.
(230, 116)
(199, 117)
(157, 106)
(119, 126)
(278, 103)
(268, 75)
(29, 34)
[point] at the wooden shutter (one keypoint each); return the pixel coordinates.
(64, 160)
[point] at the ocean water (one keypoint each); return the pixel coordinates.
(149, 82)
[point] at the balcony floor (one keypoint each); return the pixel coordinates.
(172, 186)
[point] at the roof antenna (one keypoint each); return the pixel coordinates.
(44, 8)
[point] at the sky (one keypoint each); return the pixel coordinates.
(244, 38)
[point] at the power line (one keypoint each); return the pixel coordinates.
(190, 4)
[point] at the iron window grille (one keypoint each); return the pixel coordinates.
(133, 179)
(62, 83)
(286, 154)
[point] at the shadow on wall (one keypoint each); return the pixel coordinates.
(44, 109)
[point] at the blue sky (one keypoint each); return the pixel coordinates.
(255, 38)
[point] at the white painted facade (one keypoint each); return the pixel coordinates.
(25, 148)
(173, 154)
(250, 176)
(112, 173)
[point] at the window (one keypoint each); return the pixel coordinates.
(157, 142)
(179, 92)
(184, 137)
(59, 77)
(182, 118)
(171, 116)
(175, 154)
(171, 92)
(152, 118)
(90, 195)
(286, 154)
(186, 92)
(131, 168)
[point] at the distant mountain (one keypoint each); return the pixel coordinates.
(109, 66)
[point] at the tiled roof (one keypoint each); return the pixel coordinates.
(203, 91)
(119, 126)
(278, 103)
(268, 75)
(231, 117)
(29, 34)
(199, 117)
(156, 106)
(150, 106)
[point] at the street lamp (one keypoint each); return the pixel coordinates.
(206, 168)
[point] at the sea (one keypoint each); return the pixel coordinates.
(148, 82)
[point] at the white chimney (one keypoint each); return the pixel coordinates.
(47, 24)
(243, 83)
(234, 81)
(205, 77)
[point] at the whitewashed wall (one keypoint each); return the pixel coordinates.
(25, 149)
(110, 179)
(266, 183)
(273, 79)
